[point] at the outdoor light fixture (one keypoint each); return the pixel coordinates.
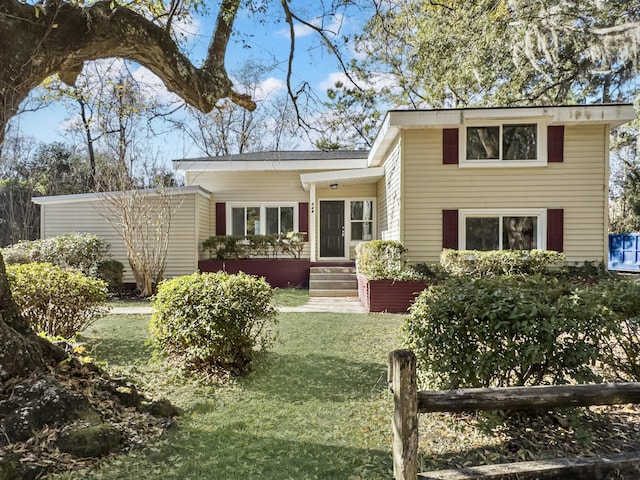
(334, 186)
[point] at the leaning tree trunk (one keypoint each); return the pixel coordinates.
(55, 37)
(21, 351)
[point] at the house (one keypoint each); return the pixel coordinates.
(480, 178)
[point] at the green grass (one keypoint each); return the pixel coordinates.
(283, 297)
(316, 407)
(290, 297)
(128, 302)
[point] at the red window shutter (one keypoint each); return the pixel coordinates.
(303, 219)
(449, 146)
(450, 229)
(555, 229)
(555, 144)
(221, 218)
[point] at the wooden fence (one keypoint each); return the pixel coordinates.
(409, 402)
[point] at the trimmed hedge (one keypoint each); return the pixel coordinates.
(381, 259)
(56, 301)
(509, 330)
(460, 263)
(213, 321)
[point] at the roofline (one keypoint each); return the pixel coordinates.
(90, 197)
(397, 120)
(196, 165)
(352, 176)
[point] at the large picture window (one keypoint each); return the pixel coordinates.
(516, 143)
(262, 219)
(508, 230)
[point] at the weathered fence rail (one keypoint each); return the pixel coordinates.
(409, 402)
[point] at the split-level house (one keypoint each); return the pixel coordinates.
(481, 178)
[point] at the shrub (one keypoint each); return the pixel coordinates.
(111, 272)
(224, 247)
(56, 301)
(380, 259)
(462, 263)
(621, 351)
(81, 251)
(213, 321)
(506, 330)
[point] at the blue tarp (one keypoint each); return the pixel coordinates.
(624, 252)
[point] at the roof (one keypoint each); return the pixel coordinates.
(89, 197)
(279, 160)
(284, 156)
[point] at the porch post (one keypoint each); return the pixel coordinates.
(313, 208)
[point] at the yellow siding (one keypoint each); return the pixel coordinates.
(347, 192)
(389, 194)
(85, 216)
(578, 185)
(279, 186)
(206, 222)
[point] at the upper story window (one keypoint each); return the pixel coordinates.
(505, 144)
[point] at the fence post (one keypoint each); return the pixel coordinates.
(402, 379)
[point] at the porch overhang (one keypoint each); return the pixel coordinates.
(341, 177)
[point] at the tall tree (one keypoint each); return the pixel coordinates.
(230, 129)
(58, 36)
(502, 52)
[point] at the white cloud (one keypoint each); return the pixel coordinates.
(269, 88)
(331, 29)
(330, 81)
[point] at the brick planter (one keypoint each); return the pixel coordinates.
(393, 296)
(281, 273)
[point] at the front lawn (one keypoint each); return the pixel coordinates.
(315, 408)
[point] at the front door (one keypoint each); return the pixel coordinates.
(332, 229)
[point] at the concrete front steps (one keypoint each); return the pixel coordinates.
(333, 282)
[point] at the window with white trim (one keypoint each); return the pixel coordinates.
(264, 219)
(361, 220)
(503, 230)
(503, 144)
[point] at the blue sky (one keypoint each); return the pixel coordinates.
(263, 37)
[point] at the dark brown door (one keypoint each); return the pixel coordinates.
(332, 229)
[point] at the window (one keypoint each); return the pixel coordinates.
(262, 220)
(361, 220)
(500, 145)
(507, 230)
(279, 220)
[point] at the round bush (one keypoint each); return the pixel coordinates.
(213, 321)
(56, 301)
(507, 330)
(76, 250)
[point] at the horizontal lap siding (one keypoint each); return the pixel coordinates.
(389, 197)
(347, 191)
(577, 185)
(252, 186)
(205, 229)
(85, 217)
